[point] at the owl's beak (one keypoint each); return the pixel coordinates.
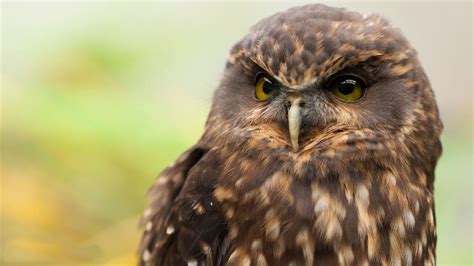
(294, 121)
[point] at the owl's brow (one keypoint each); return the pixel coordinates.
(334, 64)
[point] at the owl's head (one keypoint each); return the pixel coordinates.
(315, 73)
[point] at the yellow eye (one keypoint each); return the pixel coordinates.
(264, 88)
(347, 88)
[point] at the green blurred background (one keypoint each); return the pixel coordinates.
(97, 98)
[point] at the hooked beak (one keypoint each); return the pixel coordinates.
(294, 121)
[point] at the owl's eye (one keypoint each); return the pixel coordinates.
(264, 87)
(347, 88)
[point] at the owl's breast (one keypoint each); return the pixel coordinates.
(284, 210)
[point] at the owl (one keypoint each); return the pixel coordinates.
(319, 149)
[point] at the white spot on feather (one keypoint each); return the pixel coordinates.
(148, 226)
(430, 217)
(321, 205)
(391, 178)
(409, 219)
(363, 195)
(170, 230)
(146, 255)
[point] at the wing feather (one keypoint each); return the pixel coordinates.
(158, 238)
(183, 223)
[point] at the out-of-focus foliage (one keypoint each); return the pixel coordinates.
(97, 99)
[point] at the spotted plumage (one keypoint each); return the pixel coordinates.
(303, 177)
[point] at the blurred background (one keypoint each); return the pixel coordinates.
(97, 98)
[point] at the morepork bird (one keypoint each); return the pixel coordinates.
(319, 149)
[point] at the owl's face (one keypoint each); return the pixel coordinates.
(322, 71)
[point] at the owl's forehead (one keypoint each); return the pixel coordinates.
(302, 44)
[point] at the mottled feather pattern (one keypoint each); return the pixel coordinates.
(358, 191)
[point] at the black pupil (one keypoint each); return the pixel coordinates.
(347, 87)
(267, 87)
